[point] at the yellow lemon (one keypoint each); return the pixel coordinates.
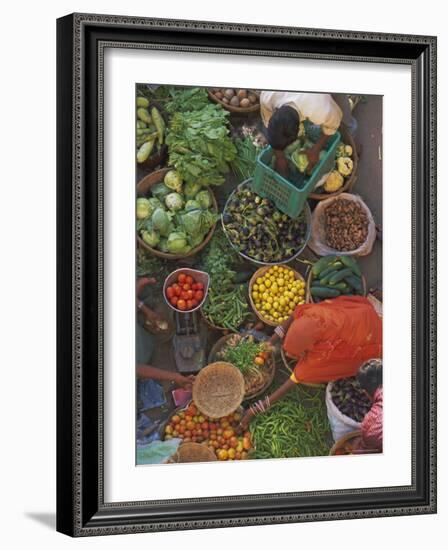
(254, 295)
(302, 292)
(294, 290)
(274, 287)
(267, 283)
(255, 287)
(267, 306)
(259, 281)
(270, 299)
(292, 305)
(276, 314)
(262, 288)
(281, 281)
(275, 305)
(282, 301)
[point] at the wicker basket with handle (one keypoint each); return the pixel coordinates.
(242, 110)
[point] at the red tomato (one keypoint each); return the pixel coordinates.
(186, 287)
(189, 280)
(199, 286)
(195, 302)
(189, 304)
(177, 291)
(194, 286)
(184, 295)
(190, 294)
(182, 305)
(174, 300)
(181, 278)
(199, 294)
(170, 292)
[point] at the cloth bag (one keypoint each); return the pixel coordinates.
(340, 424)
(317, 242)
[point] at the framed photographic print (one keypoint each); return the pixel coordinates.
(246, 275)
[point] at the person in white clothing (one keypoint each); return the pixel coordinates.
(282, 113)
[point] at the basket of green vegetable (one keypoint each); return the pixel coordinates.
(259, 232)
(151, 150)
(253, 358)
(174, 220)
(333, 276)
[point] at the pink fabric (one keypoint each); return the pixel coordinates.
(372, 425)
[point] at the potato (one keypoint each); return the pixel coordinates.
(225, 100)
(235, 102)
(219, 95)
(253, 98)
(242, 94)
(229, 93)
(245, 103)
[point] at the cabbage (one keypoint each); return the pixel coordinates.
(143, 209)
(160, 221)
(191, 222)
(191, 190)
(174, 201)
(177, 243)
(192, 205)
(160, 191)
(163, 244)
(153, 204)
(196, 241)
(151, 237)
(204, 199)
(173, 181)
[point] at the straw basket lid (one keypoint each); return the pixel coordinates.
(193, 452)
(218, 389)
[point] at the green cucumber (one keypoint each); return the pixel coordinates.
(341, 286)
(324, 292)
(329, 269)
(350, 262)
(325, 280)
(355, 282)
(339, 275)
(322, 264)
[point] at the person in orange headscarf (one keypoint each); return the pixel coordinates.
(330, 340)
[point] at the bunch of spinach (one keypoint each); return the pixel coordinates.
(200, 147)
(186, 99)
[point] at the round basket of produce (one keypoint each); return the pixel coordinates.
(236, 100)
(346, 444)
(334, 276)
(274, 293)
(342, 225)
(171, 225)
(185, 289)
(218, 389)
(290, 363)
(259, 232)
(192, 452)
(219, 435)
(150, 134)
(345, 173)
(253, 358)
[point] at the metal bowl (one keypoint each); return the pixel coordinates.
(198, 276)
(258, 262)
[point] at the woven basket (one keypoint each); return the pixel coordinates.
(309, 281)
(220, 344)
(259, 273)
(143, 188)
(340, 443)
(242, 110)
(192, 452)
(218, 389)
(349, 182)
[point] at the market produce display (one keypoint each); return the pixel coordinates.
(237, 98)
(175, 218)
(186, 293)
(346, 225)
(295, 426)
(350, 398)
(200, 147)
(219, 435)
(253, 359)
(276, 292)
(259, 231)
(150, 129)
(226, 303)
(333, 276)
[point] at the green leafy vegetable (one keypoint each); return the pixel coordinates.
(204, 199)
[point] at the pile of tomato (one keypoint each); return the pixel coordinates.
(186, 293)
(218, 434)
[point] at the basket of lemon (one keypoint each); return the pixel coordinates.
(274, 293)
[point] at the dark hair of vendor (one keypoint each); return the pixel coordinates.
(283, 127)
(370, 375)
